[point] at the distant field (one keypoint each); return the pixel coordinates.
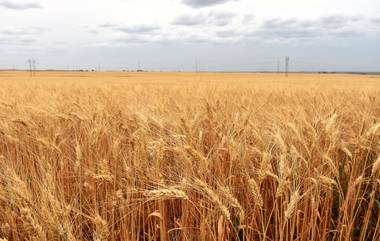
(254, 80)
(189, 156)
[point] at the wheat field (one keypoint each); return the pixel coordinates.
(189, 156)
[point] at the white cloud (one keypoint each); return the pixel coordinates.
(138, 29)
(204, 3)
(19, 6)
(220, 18)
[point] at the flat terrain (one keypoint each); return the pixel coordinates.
(189, 156)
(253, 80)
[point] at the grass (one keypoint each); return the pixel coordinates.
(181, 156)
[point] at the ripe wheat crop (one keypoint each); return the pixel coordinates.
(154, 156)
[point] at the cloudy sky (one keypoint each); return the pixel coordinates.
(176, 34)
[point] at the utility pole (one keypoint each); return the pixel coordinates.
(287, 60)
(30, 67)
(34, 67)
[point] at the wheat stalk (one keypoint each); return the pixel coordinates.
(376, 166)
(101, 228)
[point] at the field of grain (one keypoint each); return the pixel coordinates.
(189, 156)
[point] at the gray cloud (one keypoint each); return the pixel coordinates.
(226, 33)
(222, 18)
(138, 29)
(338, 21)
(285, 33)
(278, 23)
(195, 38)
(249, 18)
(143, 39)
(212, 18)
(108, 25)
(190, 20)
(292, 28)
(132, 40)
(331, 21)
(348, 33)
(202, 39)
(376, 20)
(17, 41)
(276, 29)
(19, 6)
(204, 3)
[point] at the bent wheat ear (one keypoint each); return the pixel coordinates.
(166, 193)
(213, 197)
(255, 190)
(292, 205)
(232, 201)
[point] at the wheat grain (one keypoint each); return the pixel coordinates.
(232, 200)
(292, 205)
(166, 193)
(255, 190)
(213, 197)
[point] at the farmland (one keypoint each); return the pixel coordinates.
(189, 156)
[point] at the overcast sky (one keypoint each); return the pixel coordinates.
(175, 34)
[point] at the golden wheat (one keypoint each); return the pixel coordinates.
(189, 156)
